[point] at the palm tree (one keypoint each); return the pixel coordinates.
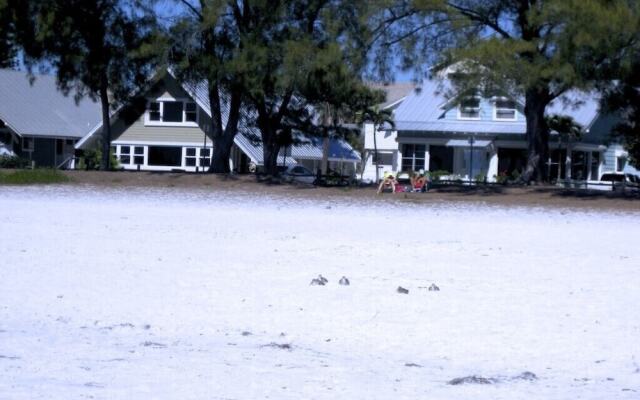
(568, 130)
(332, 118)
(378, 117)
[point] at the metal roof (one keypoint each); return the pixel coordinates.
(467, 143)
(245, 140)
(305, 148)
(424, 108)
(395, 92)
(40, 109)
(248, 137)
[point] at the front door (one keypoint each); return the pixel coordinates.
(63, 152)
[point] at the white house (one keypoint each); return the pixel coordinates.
(484, 138)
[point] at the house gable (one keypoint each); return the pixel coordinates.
(142, 130)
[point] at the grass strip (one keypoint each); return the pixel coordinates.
(32, 177)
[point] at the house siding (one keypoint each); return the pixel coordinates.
(486, 113)
(138, 132)
(44, 151)
(610, 157)
(602, 129)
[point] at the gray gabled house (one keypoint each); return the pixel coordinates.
(170, 132)
(40, 123)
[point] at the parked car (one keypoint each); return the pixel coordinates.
(621, 181)
(298, 173)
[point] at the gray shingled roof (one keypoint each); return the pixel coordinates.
(40, 109)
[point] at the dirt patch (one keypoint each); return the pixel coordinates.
(281, 346)
(474, 379)
(536, 196)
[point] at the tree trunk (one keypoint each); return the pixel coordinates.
(221, 154)
(324, 166)
(105, 161)
(219, 163)
(375, 153)
(537, 136)
(223, 143)
(270, 150)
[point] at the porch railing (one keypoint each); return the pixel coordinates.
(68, 163)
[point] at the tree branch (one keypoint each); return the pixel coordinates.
(193, 9)
(483, 19)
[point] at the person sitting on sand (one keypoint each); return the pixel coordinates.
(418, 182)
(388, 184)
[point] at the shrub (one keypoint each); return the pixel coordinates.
(7, 161)
(481, 177)
(32, 176)
(436, 175)
(91, 160)
(502, 178)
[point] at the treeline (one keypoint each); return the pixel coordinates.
(302, 64)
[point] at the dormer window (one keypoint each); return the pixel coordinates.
(469, 108)
(505, 110)
(171, 112)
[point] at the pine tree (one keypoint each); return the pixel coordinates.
(98, 48)
(202, 46)
(531, 50)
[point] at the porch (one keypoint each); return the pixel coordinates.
(497, 160)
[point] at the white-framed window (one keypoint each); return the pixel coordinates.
(190, 156)
(504, 110)
(621, 162)
(190, 112)
(130, 155)
(205, 157)
(27, 144)
(197, 157)
(413, 156)
(469, 108)
(171, 112)
(384, 158)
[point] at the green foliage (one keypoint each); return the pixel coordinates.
(7, 161)
(379, 117)
(91, 158)
(536, 51)
(295, 55)
(32, 176)
(16, 29)
(95, 43)
(480, 177)
(502, 178)
(437, 175)
(624, 99)
(100, 49)
(568, 129)
(7, 36)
